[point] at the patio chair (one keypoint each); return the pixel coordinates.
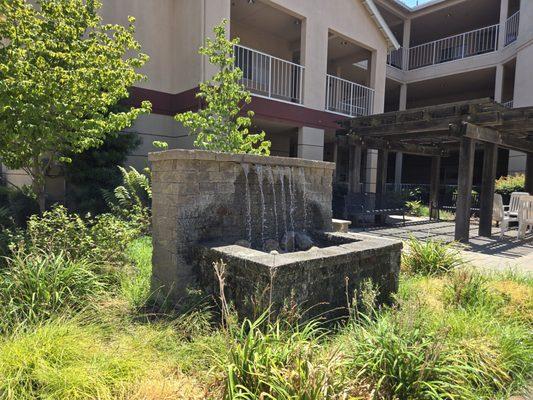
(525, 215)
(514, 202)
(500, 216)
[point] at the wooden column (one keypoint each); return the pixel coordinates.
(464, 189)
(381, 181)
(434, 188)
(529, 173)
(490, 162)
(354, 171)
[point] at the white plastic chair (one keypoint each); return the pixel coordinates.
(514, 203)
(501, 216)
(525, 215)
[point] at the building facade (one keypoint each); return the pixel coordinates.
(311, 63)
(455, 50)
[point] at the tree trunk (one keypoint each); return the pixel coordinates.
(38, 186)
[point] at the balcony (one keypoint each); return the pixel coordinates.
(511, 28)
(395, 58)
(268, 76)
(508, 104)
(348, 98)
(476, 42)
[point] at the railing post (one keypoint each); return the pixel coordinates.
(463, 45)
(434, 52)
(269, 76)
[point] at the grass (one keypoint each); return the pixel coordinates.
(452, 334)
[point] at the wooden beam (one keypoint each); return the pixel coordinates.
(502, 139)
(434, 188)
(490, 162)
(381, 183)
(377, 143)
(464, 190)
(354, 171)
(529, 173)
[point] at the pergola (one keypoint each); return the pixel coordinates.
(434, 131)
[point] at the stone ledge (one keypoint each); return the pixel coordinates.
(203, 155)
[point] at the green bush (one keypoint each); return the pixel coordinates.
(17, 205)
(509, 184)
(417, 209)
(39, 285)
(275, 361)
(431, 257)
(103, 239)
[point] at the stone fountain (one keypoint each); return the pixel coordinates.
(269, 219)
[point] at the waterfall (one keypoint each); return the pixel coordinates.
(292, 199)
(283, 198)
(246, 170)
(259, 172)
(304, 196)
(272, 184)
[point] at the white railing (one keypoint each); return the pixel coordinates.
(508, 104)
(455, 47)
(348, 98)
(269, 76)
(511, 28)
(395, 58)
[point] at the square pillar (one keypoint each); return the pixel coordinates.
(434, 188)
(464, 189)
(498, 84)
(398, 166)
(504, 11)
(490, 162)
(381, 184)
(311, 143)
(371, 166)
(406, 42)
(314, 56)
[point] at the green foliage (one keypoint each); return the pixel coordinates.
(135, 281)
(468, 289)
(61, 73)
(431, 257)
(276, 361)
(17, 206)
(102, 240)
(160, 144)
(35, 286)
(417, 209)
(219, 125)
(509, 184)
(132, 200)
(95, 171)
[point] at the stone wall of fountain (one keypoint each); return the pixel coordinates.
(258, 202)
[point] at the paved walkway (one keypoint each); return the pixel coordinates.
(487, 253)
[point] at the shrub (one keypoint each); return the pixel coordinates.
(431, 257)
(468, 289)
(132, 200)
(102, 239)
(38, 285)
(274, 361)
(417, 209)
(17, 206)
(509, 184)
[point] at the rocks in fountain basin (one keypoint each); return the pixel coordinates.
(303, 241)
(288, 241)
(293, 241)
(271, 245)
(243, 243)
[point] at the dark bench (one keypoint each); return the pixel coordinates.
(362, 204)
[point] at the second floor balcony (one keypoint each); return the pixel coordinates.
(468, 44)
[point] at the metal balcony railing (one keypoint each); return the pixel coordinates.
(468, 44)
(348, 98)
(511, 28)
(269, 76)
(395, 58)
(508, 104)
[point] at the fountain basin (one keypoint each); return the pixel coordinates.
(319, 281)
(204, 202)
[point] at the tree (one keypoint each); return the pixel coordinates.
(221, 125)
(61, 72)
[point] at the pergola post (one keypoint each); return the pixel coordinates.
(354, 169)
(434, 188)
(464, 189)
(490, 161)
(529, 173)
(381, 182)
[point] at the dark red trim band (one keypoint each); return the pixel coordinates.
(171, 104)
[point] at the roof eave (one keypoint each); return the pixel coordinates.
(381, 24)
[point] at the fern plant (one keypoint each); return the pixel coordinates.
(133, 199)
